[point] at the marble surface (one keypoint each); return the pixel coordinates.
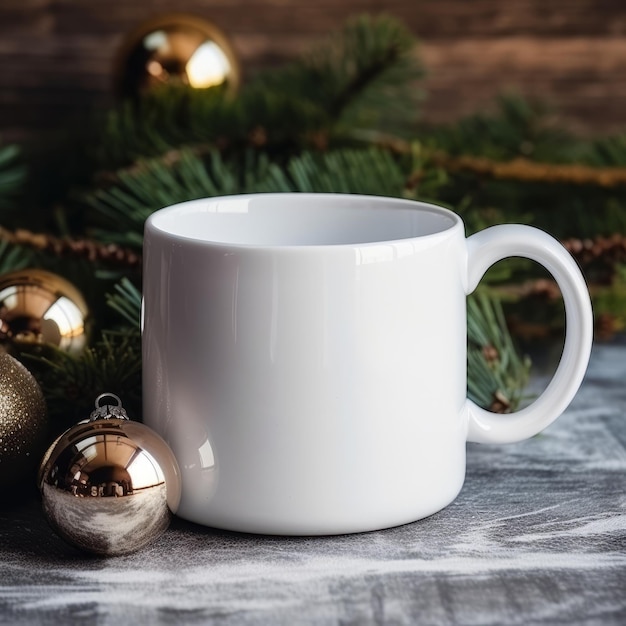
(537, 536)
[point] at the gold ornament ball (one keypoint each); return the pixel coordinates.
(109, 486)
(175, 50)
(23, 423)
(39, 307)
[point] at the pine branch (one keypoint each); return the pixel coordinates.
(497, 374)
(70, 383)
(517, 128)
(122, 209)
(12, 175)
(126, 301)
(171, 158)
(520, 169)
(343, 171)
(108, 254)
(166, 119)
(524, 170)
(14, 257)
(607, 151)
(363, 76)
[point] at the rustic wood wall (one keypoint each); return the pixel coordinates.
(56, 56)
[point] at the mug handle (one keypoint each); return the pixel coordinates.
(499, 242)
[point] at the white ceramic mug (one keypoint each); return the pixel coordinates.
(305, 356)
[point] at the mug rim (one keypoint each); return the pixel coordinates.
(187, 206)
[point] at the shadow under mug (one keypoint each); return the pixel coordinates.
(304, 355)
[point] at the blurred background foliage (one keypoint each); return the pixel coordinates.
(342, 118)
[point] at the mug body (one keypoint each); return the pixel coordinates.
(304, 355)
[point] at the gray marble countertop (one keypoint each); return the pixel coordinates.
(537, 536)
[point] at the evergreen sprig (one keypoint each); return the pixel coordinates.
(12, 175)
(14, 257)
(71, 383)
(126, 301)
(497, 373)
(112, 363)
(505, 181)
(366, 75)
(362, 76)
(123, 208)
(518, 127)
(521, 128)
(339, 171)
(607, 151)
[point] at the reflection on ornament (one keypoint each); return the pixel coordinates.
(208, 66)
(109, 485)
(41, 307)
(22, 423)
(176, 49)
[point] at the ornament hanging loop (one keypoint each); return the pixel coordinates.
(107, 410)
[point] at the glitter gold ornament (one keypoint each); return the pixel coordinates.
(40, 307)
(109, 485)
(176, 50)
(22, 423)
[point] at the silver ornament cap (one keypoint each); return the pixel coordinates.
(109, 485)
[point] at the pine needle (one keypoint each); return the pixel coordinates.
(12, 175)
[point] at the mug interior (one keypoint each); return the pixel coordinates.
(299, 219)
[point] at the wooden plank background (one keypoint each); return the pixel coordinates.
(56, 56)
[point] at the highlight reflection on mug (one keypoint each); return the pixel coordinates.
(205, 452)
